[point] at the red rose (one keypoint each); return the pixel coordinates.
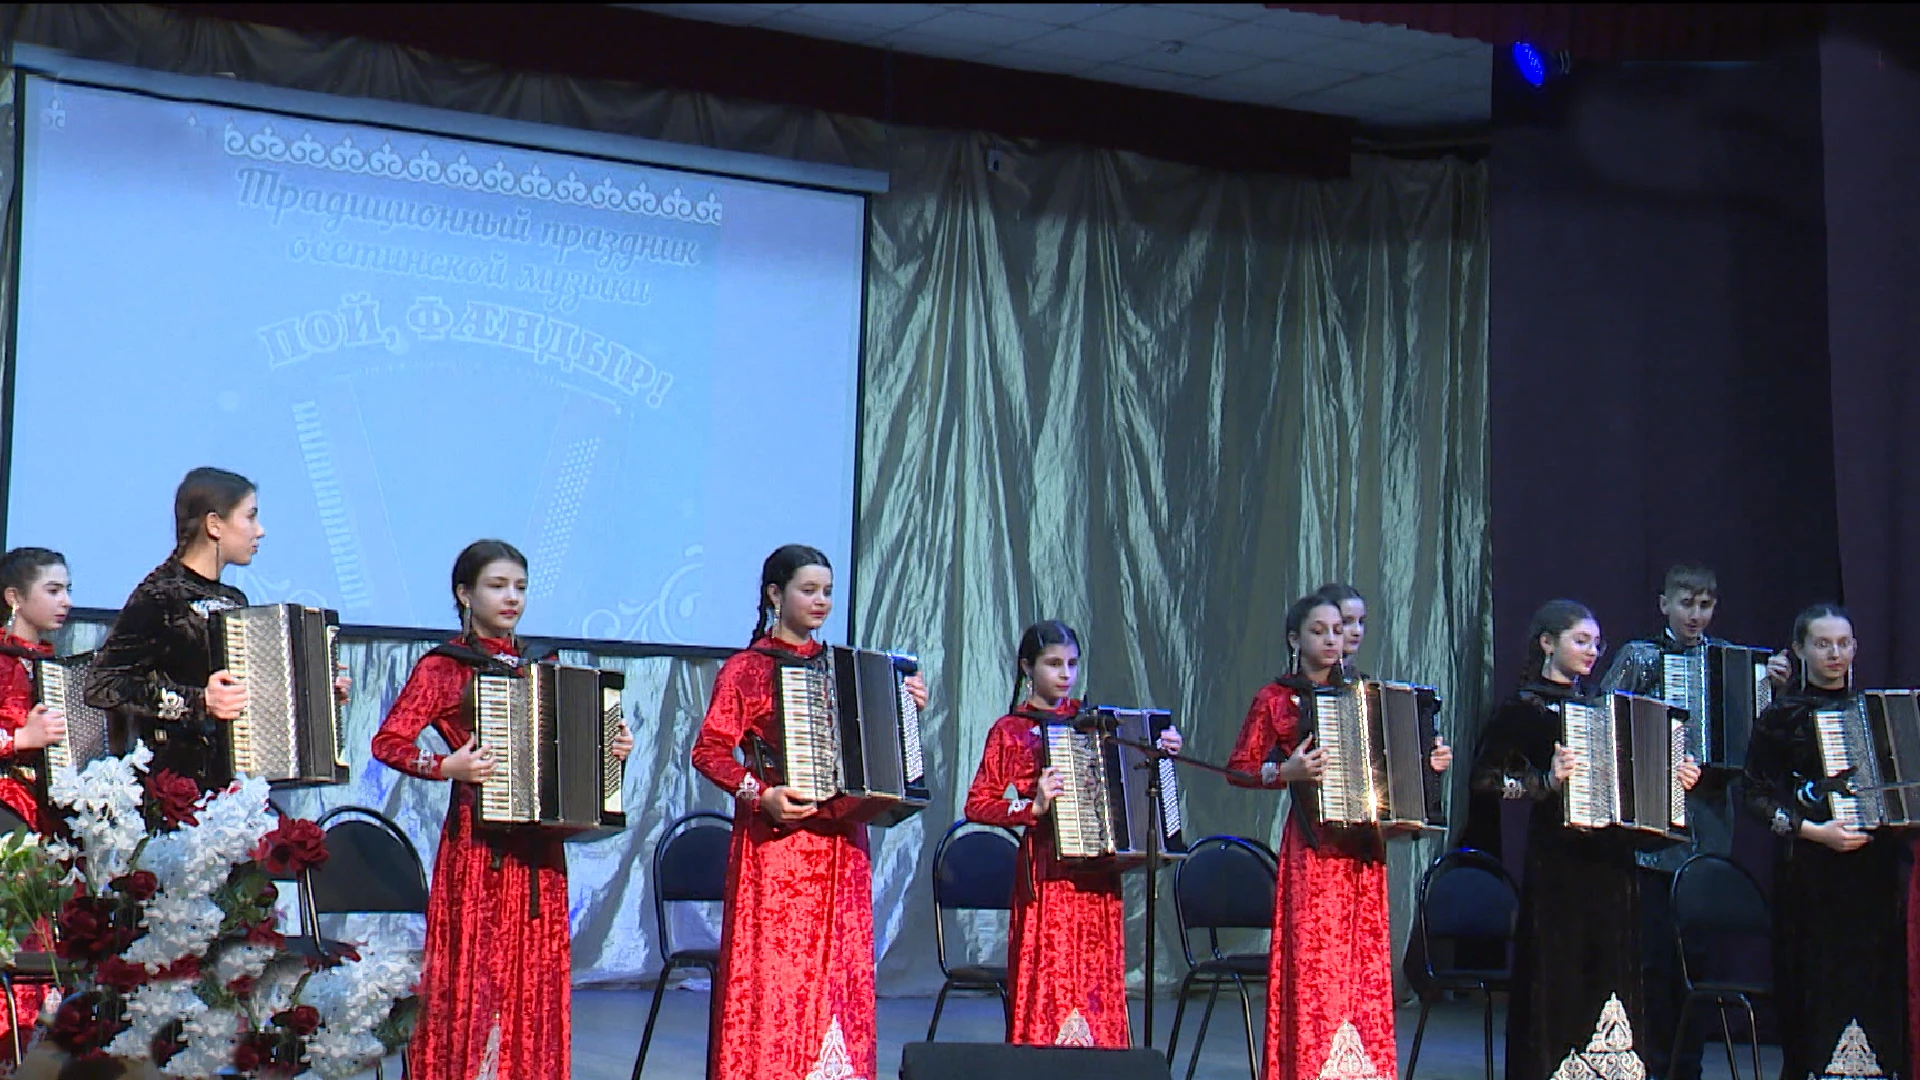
(302, 1020)
(79, 1029)
(87, 930)
(174, 797)
(241, 986)
(297, 845)
(187, 967)
(246, 1057)
(116, 974)
(139, 885)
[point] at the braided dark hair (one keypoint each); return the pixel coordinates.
(467, 566)
(786, 561)
(1035, 641)
(20, 568)
(204, 491)
(1554, 618)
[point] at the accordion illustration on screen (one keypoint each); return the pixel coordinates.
(848, 729)
(1378, 737)
(61, 683)
(1724, 689)
(1873, 740)
(551, 729)
(1628, 751)
(1105, 812)
(290, 732)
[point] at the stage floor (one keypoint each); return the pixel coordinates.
(607, 1026)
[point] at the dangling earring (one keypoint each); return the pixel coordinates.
(466, 620)
(1026, 688)
(11, 612)
(776, 614)
(1546, 668)
(1849, 678)
(1293, 659)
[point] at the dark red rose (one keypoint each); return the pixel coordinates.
(87, 930)
(302, 1020)
(246, 1056)
(173, 796)
(116, 974)
(298, 844)
(139, 885)
(187, 967)
(166, 1044)
(263, 933)
(269, 893)
(241, 986)
(79, 1029)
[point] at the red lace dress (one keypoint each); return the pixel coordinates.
(495, 993)
(16, 701)
(1330, 1002)
(1066, 948)
(796, 944)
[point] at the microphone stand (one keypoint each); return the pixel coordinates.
(1156, 826)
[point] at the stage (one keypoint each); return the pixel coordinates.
(607, 1026)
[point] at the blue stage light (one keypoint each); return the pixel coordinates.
(1532, 67)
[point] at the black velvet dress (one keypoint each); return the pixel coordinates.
(151, 674)
(1577, 947)
(1839, 935)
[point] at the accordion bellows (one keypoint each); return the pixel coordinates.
(1875, 739)
(849, 729)
(290, 731)
(1105, 812)
(551, 730)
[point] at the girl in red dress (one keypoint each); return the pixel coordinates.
(796, 944)
(1066, 949)
(1330, 999)
(35, 588)
(495, 993)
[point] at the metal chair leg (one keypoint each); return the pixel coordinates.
(1006, 1008)
(1206, 1017)
(1179, 1010)
(1726, 1039)
(1753, 1028)
(13, 1029)
(1246, 1013)
(1419, 1033)
(939, 1003)
(1488, 995)
(1680, 1032)
(653, 1014)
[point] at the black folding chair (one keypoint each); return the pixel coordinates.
(973, 870)
(1224, 883)
(689, 866)
(1466, 897)
(1716, 901)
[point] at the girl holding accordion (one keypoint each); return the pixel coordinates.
(796, 949)
(496, 985)
(1840, 941)
(1577, 983)
(34, 587)
(1330, 998)
(1066, 947)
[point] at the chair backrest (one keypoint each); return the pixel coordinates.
(974, 867)
(690, 865)
(371, 867)
(1714, 895)
(1465, 896)
(1224, 883)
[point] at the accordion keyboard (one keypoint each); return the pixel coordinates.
(509, 794)
(1839, 734)
(1592, 793)
(1081, 824)
(809, 739)
(53, 687)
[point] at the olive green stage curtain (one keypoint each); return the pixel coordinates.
(1155, 401)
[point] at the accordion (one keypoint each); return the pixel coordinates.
(848, 728)
(1378, 737)
(1104, 812)
(61, 684)
(290, 732)
(1874, 740)
(551, 729)
(1724, 689)
(1628, 750)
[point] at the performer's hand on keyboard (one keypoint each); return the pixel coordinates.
(622, 745)
(1563, 765)
(471, 763)
(1170, 741)
(785, 806)
(342, 684)
(1687, 772)
(226, 696)
(916, 689)
(1442, 757)
(43, 728)
(1839, 837)
(1048, 789)
(1306, 764)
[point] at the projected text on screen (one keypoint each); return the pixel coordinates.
(645, 379)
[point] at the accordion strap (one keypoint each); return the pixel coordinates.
(7, 648)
